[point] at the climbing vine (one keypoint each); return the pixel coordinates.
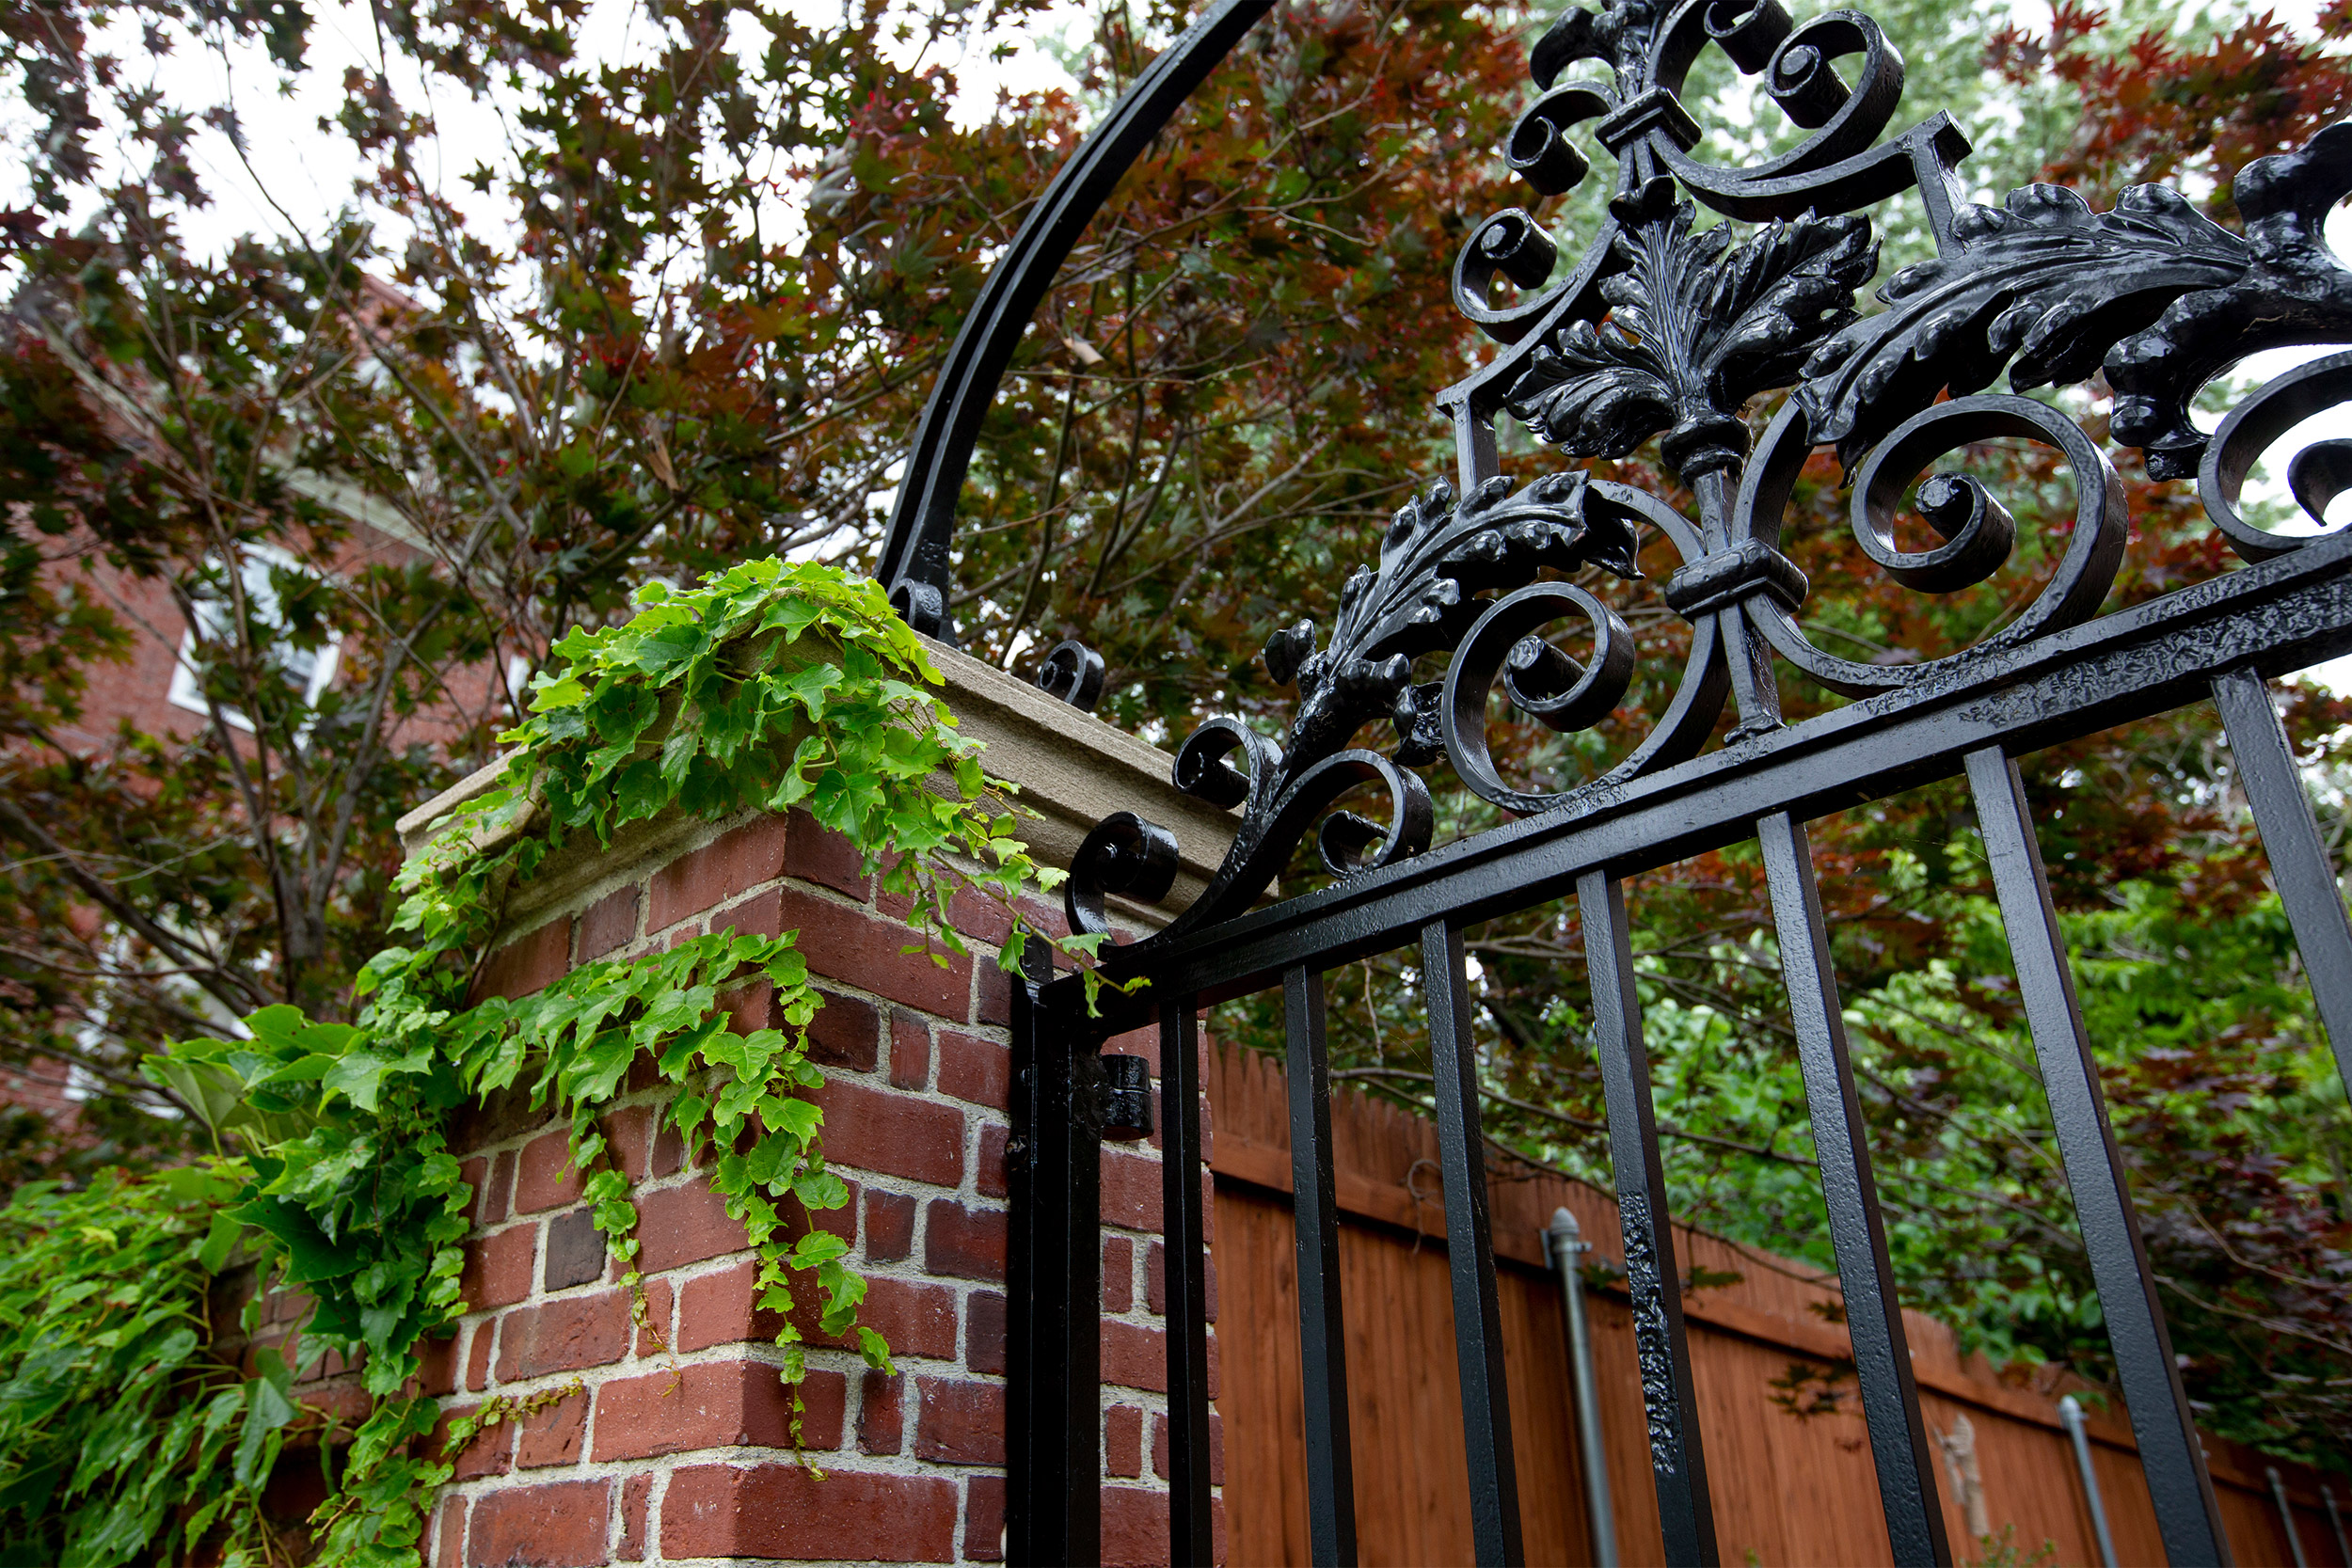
(124, 1434)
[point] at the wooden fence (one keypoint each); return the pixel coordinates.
(1786, 1489)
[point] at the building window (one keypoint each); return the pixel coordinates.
(308, 670)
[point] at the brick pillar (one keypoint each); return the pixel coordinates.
(675, 1442)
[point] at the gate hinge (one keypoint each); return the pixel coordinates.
(1111, 1096)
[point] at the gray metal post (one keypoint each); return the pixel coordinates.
(2286, 1514)
(1561, 1243)
(2335, 1522)
(2071, 1411)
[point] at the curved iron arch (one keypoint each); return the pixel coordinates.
(916, 561)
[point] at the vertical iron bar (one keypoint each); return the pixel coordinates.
(2335, 1523)
(1322, 1332)
(1494, 1490)
(2299, 867)
(2170, 1452)
(1686, 1514)
(1874, 1314)
(1191, 1533)
(1053, 1502)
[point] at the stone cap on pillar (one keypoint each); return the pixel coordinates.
(1072, 769)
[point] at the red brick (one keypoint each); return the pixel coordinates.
(478, 1358)
(961, 1423)
(609, 925)
(881, 1130)
(1044, 916)
(737, 860)
(1133, 1196)
(560, 1525)
(545, 1178)
(476, 1173)
(881, 1413)
(984, 1333)
(918, 1320)
(497, 1203)
(449, 1535)
(1135, 1529)
(991, 1174)
(976, 1070)
(564, 1335)
(574, 1253)
(437, 1367)
(889, 1226)
(1134, 1358)
(634, 1493)
(964, 1243)
(628, 1131)
(781, 1511)
(715, 1405)
(984, 1519)
(499, 1268)
(685, 1225)
(1122, 1441)
(1119, 1275)
(859, 950)
(993, 1003)
(654, 1331)
(976, 915)
(489, 1455)
(716, 1309)
(529, 963)
(553, 1437)
(1143, 1042)
(845, 1033)
(1217, 1447)
(910, 1050)
(817, 854)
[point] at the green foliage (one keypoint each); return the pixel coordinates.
(116, 1422)
(769, 687)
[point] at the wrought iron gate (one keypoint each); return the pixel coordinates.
(1661, 330)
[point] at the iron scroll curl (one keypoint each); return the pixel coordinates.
(1665, 328)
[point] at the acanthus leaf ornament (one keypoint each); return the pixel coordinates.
(1699, 326)
(1664, 328)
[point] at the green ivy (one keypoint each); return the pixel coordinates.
(773, 686)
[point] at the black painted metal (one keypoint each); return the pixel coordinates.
(2299, 859)
(1665, 329)
(1192, 1539)
(916, 560)
(1494, 1487)
(1653, 1282)
(1053, 1507)
(1322, 1332)
(2170, 1452)
(1874, 1315)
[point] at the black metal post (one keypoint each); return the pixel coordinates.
(1874, 1315)
(1322, 1327)
(1054, 1486)
(1653, 1281)
(1191, 1533)
(2170, 1452)
(2300, 867)
(1494, 1487)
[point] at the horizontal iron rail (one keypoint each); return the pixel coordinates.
(2284, 616)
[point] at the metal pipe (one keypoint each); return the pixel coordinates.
(2335, 1522)
(2071, 1411)
(1561, 1243)
(2286, 1515)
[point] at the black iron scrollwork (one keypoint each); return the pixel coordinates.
(1666, 328)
